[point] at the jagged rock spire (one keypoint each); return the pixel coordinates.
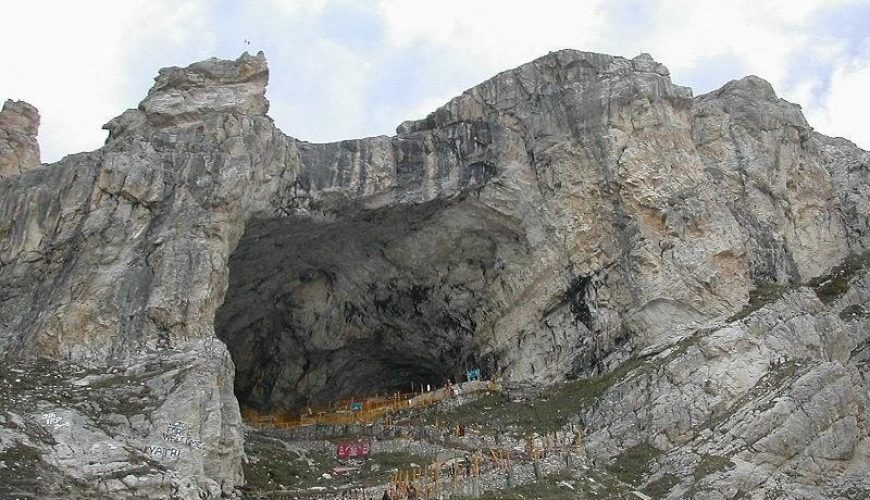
(19, 150)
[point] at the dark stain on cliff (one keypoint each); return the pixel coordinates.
(575, 296)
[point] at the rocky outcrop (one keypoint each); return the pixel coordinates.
(773, 404)
(154, 425)
(19, 151)
(555, 221)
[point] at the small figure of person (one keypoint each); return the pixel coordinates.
(386, 495)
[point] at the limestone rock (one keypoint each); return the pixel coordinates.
(772, 402)
(19, 151)
(160, 425)
(211, 86)
(572, 215)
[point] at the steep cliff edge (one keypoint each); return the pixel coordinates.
(552, 222)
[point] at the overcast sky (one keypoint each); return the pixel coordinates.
(350, 68)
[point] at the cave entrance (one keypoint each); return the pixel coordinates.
(319, 311)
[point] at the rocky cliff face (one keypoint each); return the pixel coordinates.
(559, 220)
(19, 151)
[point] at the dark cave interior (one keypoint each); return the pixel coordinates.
(318, 311)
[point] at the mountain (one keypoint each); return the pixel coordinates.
(579, 217)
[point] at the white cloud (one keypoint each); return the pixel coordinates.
(423, 108)
(297, 7)
(768, 39)
(335, 107)
(844, 110)
(475, 40)
(90, 60)
(71, 61)
(63, 68)
(494, 33)
(772, 40)
(765, 37)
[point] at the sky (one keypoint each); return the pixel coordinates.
(342, 69)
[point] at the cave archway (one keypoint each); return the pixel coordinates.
(370, 304)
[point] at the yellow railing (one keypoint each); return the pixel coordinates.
(370, 409)
(339, 414)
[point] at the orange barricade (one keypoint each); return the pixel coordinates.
(343, 412)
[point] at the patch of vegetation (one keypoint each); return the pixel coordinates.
(128, 401)
(27, 385)
(661, 486)
(631, 465)
(711, 464)
(548, 412)
(771, 381)
(19, 454)
(763, 294)
(553, 487)
(831, 287)
(271, 465)
(26, 382)
(853, 312)
(828, 288)
(683, 345)
(559, 403)
(140, 469)
(22, 464)
(399, 460)
(273, 470)
(113, 380)
(129, 395)
(549, 489)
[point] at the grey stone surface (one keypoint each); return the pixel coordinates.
(559, 219)
(778, 400)
(19, 150)
(163, 424)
